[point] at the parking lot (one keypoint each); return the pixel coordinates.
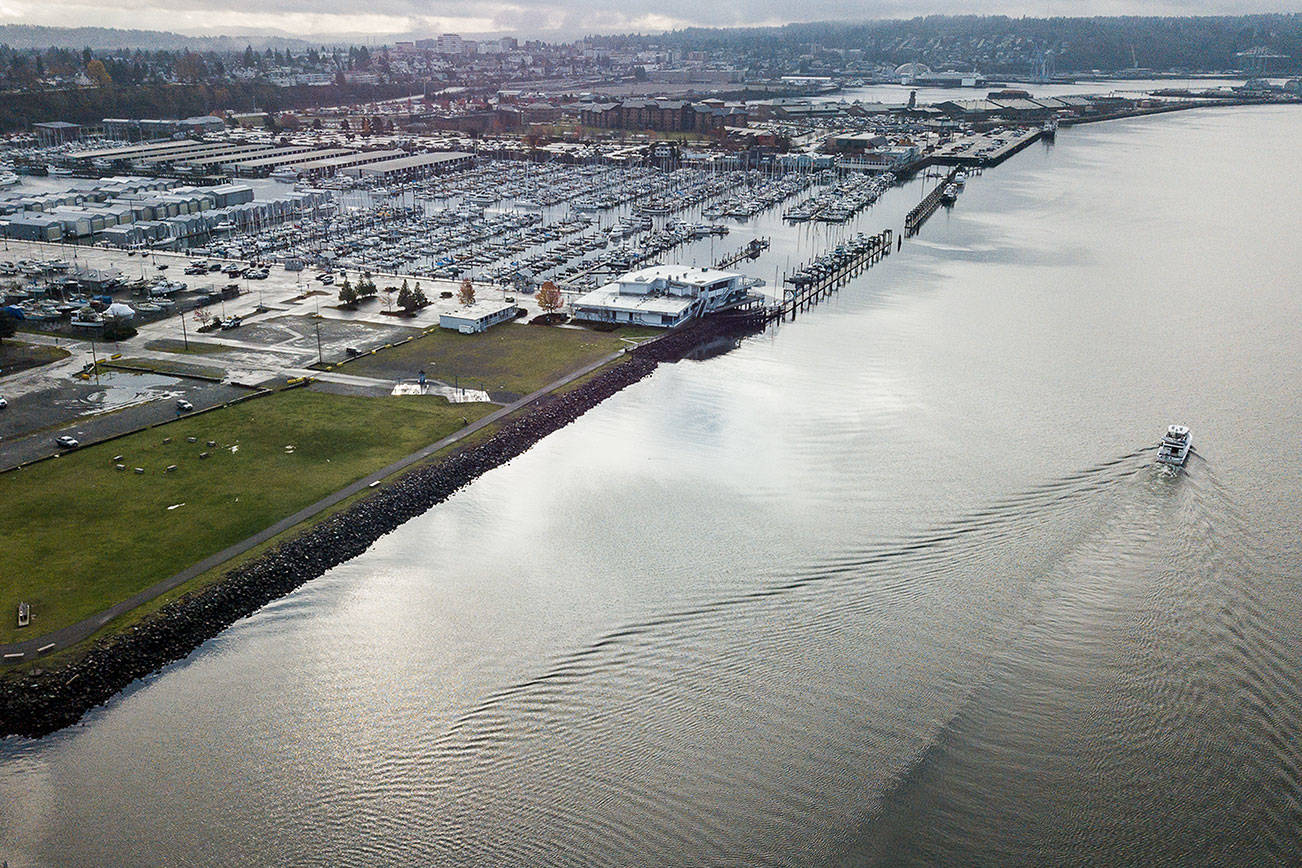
(90, 411)
(299, 334)
(986, 148)
(287, 322)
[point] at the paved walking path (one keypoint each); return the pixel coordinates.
(74, 633)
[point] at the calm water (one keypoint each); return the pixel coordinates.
(897, 94)
(896, 583)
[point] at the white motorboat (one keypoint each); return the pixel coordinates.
(1175, 446)
(285, 175)
(8, 179)
(52, 169)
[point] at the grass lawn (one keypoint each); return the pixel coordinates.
(196, 348)
(18, 356)
(166, 366)
(509, 358)
(79, 535)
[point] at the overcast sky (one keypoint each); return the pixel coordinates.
(547, 18)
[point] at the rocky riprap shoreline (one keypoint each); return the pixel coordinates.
(40, 702)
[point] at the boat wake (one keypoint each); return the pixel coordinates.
(1031, 647)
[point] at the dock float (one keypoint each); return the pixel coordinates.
(827, 272)
(914, 219)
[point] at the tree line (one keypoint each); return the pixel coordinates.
(90, 105)
(997, 43)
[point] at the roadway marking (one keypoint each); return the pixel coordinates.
(14, 656)
(44, 648)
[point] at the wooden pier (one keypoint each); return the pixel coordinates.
(828, 272)
(750, 250)
(914, 219)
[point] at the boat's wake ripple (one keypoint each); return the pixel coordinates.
(1087, 620)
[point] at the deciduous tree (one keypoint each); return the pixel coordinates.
(98, 74)
(549, 297)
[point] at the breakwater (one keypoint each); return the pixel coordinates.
(38, 702)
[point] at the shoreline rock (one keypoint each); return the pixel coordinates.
(39, 703)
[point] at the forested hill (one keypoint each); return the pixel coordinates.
(1000, 43)
(25, 36)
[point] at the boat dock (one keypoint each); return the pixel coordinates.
(750, 250)
(914, 219)
(827, 272)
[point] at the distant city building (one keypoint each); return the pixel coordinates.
(449, 43)
(663, 115)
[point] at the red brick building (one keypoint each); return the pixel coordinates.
(662, 115)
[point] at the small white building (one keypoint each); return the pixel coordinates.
(663, 296)
(477, 317)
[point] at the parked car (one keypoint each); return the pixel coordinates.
(3, 402)
(184, 406)
(66, 442)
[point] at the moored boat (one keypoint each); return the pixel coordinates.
(1174, 447)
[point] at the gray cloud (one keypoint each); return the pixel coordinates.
(551, 18)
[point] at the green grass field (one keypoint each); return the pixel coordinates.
(509, 358)
(173, 367)
(192, 348)
(78, 535)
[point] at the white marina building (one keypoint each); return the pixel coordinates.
(664, 295)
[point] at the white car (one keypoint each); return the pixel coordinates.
(3, 402)
(66, 442)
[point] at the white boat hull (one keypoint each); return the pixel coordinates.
(1174, 448)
